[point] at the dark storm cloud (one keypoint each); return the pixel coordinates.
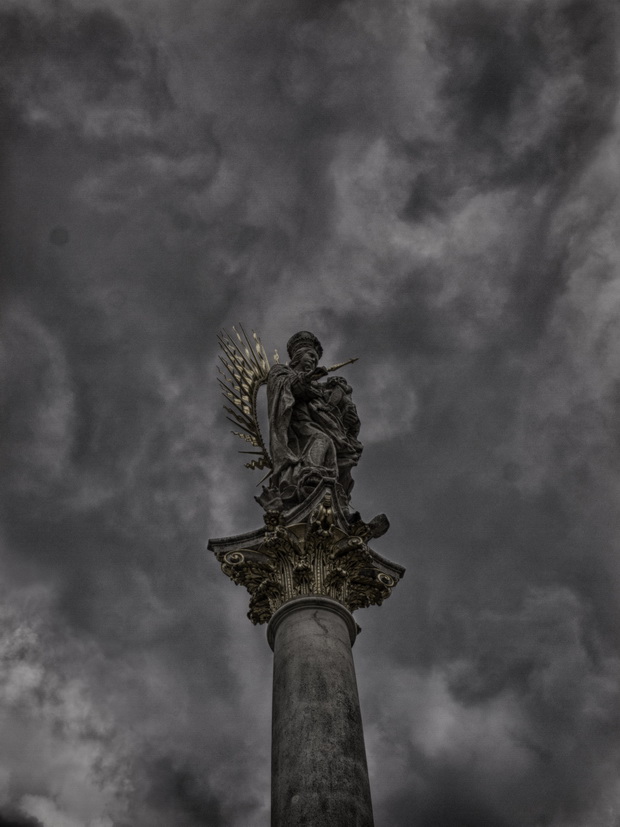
(529, 92)
(430, 186)
(498, 63)
(17, 820)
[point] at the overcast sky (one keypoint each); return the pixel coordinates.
(430, 185)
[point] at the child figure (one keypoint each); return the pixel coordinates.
(338, 398)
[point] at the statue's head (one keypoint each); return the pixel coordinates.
(304, 340)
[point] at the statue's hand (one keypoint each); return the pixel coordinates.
(320, 372)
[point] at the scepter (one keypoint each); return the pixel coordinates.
(340, 365)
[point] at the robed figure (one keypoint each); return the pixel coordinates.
(313, 427)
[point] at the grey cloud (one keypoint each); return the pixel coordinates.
(180, 791)
(518, 82)
(62, 65)
(427, 186)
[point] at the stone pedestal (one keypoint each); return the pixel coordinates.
(319, 772)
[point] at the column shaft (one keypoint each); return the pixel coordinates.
(319, 772)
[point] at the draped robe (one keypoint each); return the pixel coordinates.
(305, 432)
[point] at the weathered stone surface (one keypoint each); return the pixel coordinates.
(319, 550)
(319, 773)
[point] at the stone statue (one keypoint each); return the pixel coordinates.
(312, 542)
(313, 427)
(313, 423)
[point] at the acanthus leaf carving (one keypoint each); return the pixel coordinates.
(315, 557)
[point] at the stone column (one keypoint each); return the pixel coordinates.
(306, 573)
(319, 772)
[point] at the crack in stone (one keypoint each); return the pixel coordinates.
(323, 626)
